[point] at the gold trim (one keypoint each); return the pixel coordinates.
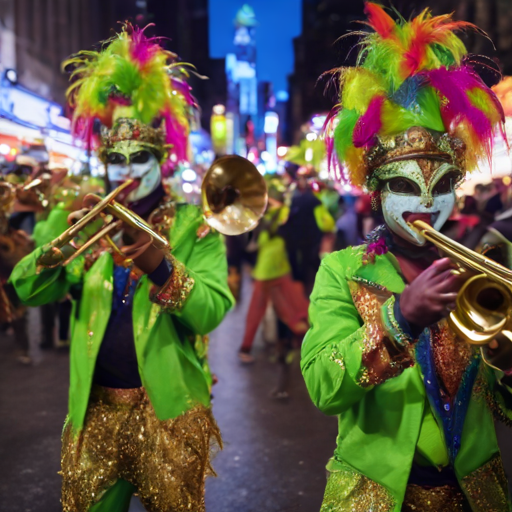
(350, 491)
(487, 488)
(174, 293)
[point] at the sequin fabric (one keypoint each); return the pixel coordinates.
(167, 461)
(349, 491)
(392, 326)
(378, 364)
(487, 487)
(449, 412)
(337, 357)
(434, 499)
(173, 294)
(451, 356)
(482, 391)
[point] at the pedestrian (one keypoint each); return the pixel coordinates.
(415, 402)
(139, 401)
(14, 245)
(307, 223)
(273, 280)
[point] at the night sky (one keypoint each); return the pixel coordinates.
(279, 22)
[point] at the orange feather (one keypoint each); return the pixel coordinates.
(427, 30)
(380, 20)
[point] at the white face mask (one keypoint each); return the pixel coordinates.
(394, 206)
(141, 166)
(409, 189)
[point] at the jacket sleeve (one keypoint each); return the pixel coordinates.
(197, 293)
(49, 285)
(344, 356)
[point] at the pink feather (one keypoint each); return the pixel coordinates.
(453, 85)
(142, 48)
(369, 124)
(176, 136)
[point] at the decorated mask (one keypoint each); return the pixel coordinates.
(417, 189)
(128, 160)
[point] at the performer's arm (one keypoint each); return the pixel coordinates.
(197, 293)
(343, 357)
(50, 285)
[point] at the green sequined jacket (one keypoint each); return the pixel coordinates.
(167, 322)
(380, 398)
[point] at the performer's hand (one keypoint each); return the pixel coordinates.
(432, 295)
(88, 203)
(140, 249)
(75, 216)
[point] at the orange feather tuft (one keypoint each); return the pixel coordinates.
(427, 30)
(380, 20)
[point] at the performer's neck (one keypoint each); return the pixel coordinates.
(413, 259)
(143, 207)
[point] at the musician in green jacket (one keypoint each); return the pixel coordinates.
(415, 402)
(139, 402)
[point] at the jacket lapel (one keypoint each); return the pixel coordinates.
(384, 274)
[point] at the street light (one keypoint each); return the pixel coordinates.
(11, 75)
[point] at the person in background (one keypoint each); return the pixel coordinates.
(416, 403)
(307, 222)
(347, 233)
(273, 281)
(14, 245)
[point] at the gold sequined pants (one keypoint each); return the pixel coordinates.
(167, 461)
(350, 491)
(436, 499)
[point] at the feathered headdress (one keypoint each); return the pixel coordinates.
(412, 74)
(131, 77)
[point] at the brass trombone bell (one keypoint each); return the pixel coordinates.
(233, 195)
(52, 253)
(484, 303)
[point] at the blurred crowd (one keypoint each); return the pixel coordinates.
(29, 189)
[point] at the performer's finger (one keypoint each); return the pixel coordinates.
(442, 277)
(90, 200)
(136, 250)
(447, 298)
(493, 345)
(442, 265)
(77, 215)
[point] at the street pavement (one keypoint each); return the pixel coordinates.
(274, 452)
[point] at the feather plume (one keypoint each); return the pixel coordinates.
(380, 21)
(413, 73)
(134, 71)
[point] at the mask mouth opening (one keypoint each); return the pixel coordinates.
(122, 196)
(428, 217)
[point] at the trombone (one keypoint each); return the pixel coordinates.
(483, 309)
(52, 252)
(234, 198)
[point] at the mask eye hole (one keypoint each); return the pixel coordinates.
(403, 186)
(142, 157)
(446, 184)
(116, 159)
